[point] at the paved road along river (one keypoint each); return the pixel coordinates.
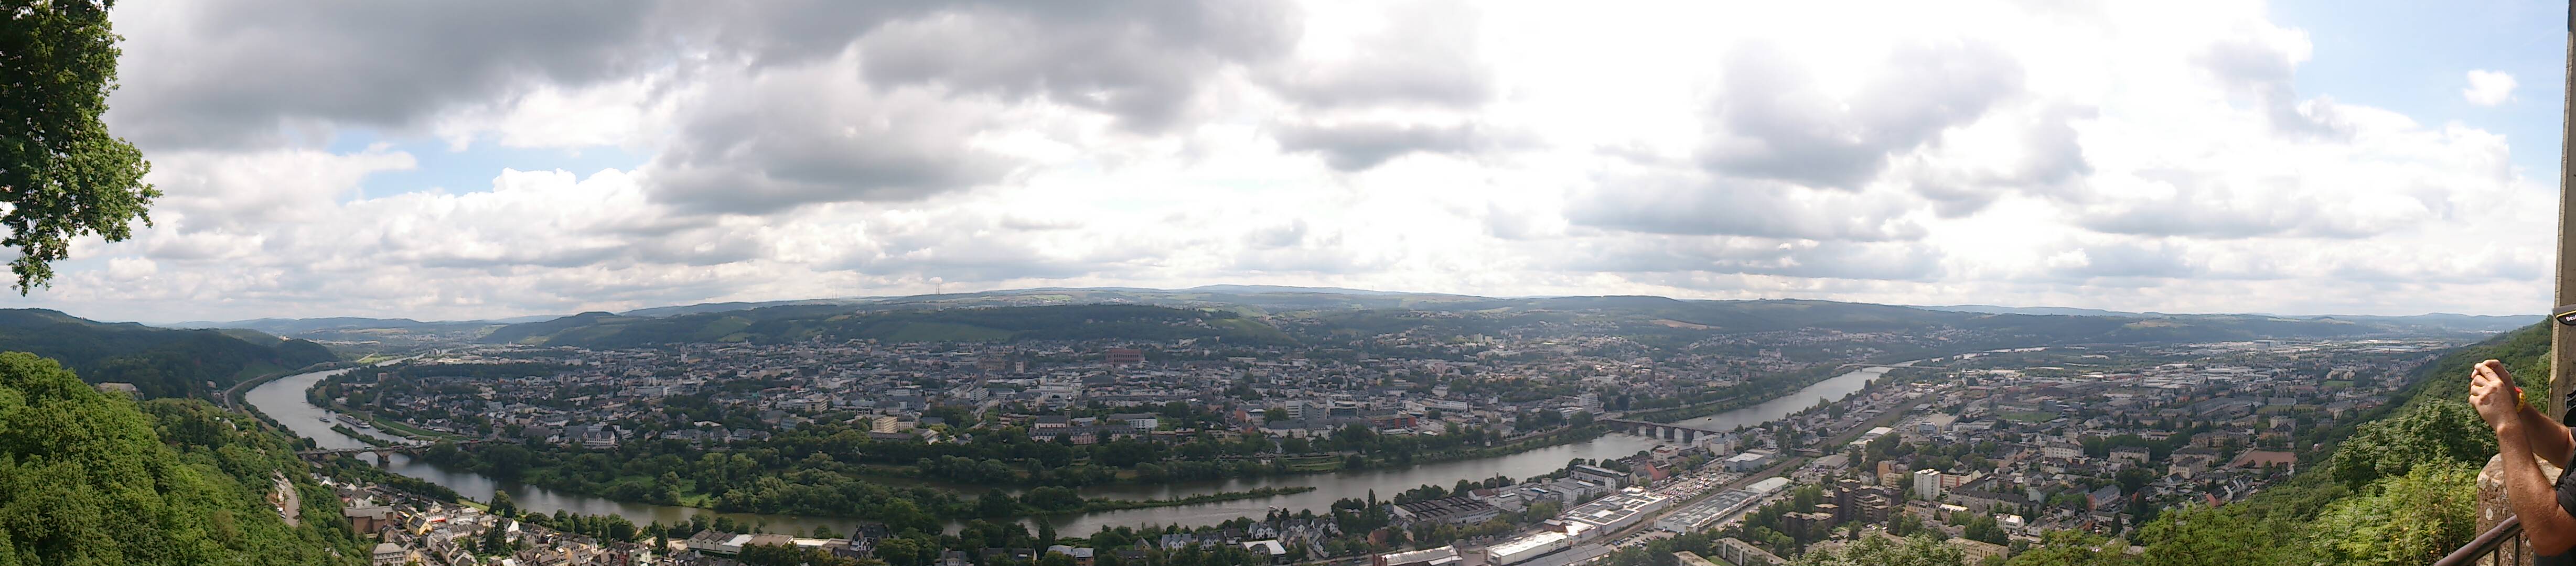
(283, 399)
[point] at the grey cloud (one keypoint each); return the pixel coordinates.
(2130, 260)
(2054, 165)
(2207, 208)
(1292, 249)
(2258, 70)
(248, 72)
(789, 139)
(243, 70)
(1426, 56)
(1282, 236)
(557, 258)
(1775, 124)
(956, 249)
(1140, 60)
(1906, 261)
(1360, 146)
(1026, 224)
(1510, 224)
(1741, 208)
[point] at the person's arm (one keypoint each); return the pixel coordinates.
(2548, 439)
(2551, 529)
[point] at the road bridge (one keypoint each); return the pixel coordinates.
(384, 454)
(1678, 432)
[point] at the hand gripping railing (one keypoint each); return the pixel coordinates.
(2499, 546)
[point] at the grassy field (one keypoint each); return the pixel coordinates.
(408, 430)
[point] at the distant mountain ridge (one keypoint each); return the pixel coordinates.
(1258, 300)
(159, 362)
(2467, 322)
(1241, 315)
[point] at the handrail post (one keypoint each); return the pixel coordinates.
(2562, 343)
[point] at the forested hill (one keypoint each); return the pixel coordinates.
(2400, 490)
(159, 362)
(987, 324)
(94, 478)
(1264, 319)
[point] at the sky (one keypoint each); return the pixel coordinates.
(447, 161)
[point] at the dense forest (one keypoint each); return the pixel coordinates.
(93, 478)
(159, 362)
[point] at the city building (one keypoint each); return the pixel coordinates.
(1927, 484)
(1742, 553)
(1461, 510)
(1525, 547)
(1441, 556)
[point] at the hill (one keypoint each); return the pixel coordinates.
(302, 325)
(1273, 316)
(2399, 490)
(159, 362)
(91, 478)
(1658, 319)
(806, 322)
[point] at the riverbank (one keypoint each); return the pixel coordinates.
(1530, 456)
(1100, 505)
(370, 439)
(232, 397)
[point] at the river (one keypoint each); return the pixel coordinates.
(283, 400)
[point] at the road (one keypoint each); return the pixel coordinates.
(293, 508)
(1776, 470)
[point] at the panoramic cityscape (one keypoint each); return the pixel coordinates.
(1288, 283)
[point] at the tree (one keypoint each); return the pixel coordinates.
(2134, 478)
(994, 503)
(502, 505)
(1984, 529)
(87, 480)
(2201, 536)
(1876, 551)
(495, 540)
(2409, 519)
(1904, 524)
(2435, 430)
(900, 551)
(61, 173)
(2065, 548)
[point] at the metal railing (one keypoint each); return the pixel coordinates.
(2499, 546)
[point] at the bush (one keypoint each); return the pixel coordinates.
(2409, 519)
(2434, 431)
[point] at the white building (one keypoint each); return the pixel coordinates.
(1522, 549)
(1927, 484)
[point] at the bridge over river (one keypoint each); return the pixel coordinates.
(1677, 432)
(384, 454)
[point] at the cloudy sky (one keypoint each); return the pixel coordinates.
(427, 161)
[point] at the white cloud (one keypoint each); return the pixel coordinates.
(2488, 88)
(2138, 157)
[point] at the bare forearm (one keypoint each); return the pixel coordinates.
(2551, 530)
(2547, 438)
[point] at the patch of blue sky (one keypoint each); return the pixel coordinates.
(2413, 57)
(437, 166)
